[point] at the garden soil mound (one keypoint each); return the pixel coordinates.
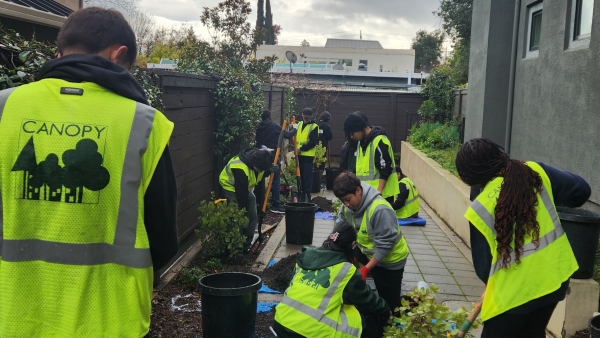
(277, 277)
(325, 204)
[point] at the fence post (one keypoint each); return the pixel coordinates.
(393, 119)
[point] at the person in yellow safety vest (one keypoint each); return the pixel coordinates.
(88, 190)
(380, 244)
(375, 157)
(325, 291)
(520, 250)
(307, 138)
(238, 179)
(407, 201)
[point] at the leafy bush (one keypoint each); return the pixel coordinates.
(154, 95)
(427, 110)
(415, 320)
(291, 167)
(190, 275)
(219, 229)
(438, 88)
(213, 265)
(320, 155)
(434, 135)
(336, 205)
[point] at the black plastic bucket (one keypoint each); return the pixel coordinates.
(594, 326)
(316, 183)
(299, 223)
(583, 230)
(229, 304)
(332, 174)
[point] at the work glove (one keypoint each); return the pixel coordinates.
(364, 271)
(274, 168)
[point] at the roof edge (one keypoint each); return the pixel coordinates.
(14, 11)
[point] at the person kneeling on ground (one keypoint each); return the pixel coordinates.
(407, 201)
(325, 292)
(380, 244)
(238, 179)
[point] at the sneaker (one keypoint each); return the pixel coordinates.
(278, 210)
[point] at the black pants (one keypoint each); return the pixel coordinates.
(387, 282)
(527, 325)
(306, 175)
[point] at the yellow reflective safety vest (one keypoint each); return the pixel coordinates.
(227, 180)
(542, 270)
(368, 173)
(75, 259)
(312, 305)
(411, 206)
(364, 237)
(302, 138)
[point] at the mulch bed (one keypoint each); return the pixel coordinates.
(325, 204)
(277, 276)
(583, 334)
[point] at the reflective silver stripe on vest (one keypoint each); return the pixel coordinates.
(131, 178)
(319, 313)
(411, 200)
(228, 171)
(370, 232)
(123, 250)
(544, 241)
(3, 98)
(485, 215)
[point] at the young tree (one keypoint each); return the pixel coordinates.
(276, 32)
(269, 24)
(456, 21)
(305, 43)
(428, 48)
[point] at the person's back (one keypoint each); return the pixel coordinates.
(76, 166)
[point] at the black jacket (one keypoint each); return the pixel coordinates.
(267, 134)
(325, 134)
(568, 190)
(402, 196)
(383, 162)
(160, 200)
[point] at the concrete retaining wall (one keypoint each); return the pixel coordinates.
(444, 192)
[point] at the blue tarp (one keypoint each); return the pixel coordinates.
(411, 221)
(324, 215)
(265, 307)
(265, 289)
(271, 263)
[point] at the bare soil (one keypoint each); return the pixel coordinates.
(325, 204)
(277, 276)
(583, 334)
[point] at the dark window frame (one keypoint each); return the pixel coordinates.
(534, 16)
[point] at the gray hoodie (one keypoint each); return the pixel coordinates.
(386, 232)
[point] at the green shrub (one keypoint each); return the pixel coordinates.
(416, 320)
(336, 205)
(213, 265)
(320, 155)
(190, 275)
(427, 110)
(434, 136)
(219, 229)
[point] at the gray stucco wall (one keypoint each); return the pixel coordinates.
(557, 97)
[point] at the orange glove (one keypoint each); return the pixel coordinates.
(364, 271)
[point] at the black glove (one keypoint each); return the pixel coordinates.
(274, 168)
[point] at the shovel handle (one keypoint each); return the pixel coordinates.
(264, 206)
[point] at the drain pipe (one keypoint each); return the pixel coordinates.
(511, 81)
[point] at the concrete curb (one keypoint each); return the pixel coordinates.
(267, 253)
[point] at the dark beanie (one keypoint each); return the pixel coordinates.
(353, 123)
(307, 112)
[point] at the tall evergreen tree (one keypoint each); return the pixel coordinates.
(260, 15)
(269, 24)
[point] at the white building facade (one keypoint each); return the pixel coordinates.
(354, 55)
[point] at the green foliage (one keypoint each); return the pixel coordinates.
(260, 14)
(291, 167)
(438, 89)
(229, 62)
(456, 18)
(190, 275)
(290, 103)
(445, 157)
(336, 205)
(458, 63)
(213, 265)
(270, 36)
(416, 320)
(434, 135)
(21, 59)
(320, 155)
(428, 48)
(154, 95)
(219, 229)
(427, 110)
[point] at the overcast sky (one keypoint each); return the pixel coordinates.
(391, 22)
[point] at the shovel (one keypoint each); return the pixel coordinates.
(260, 237)
(464, 328)
(300, 191)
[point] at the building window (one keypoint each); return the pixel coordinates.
(536, 30)
(583, 19)
(348, 62)
(363, 65)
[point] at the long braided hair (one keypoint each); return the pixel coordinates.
(480, 161)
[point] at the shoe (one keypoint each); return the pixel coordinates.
(278, 210)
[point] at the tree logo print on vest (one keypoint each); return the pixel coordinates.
(315, 278)
(76, 176)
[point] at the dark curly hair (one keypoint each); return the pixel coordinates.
(480, 161)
